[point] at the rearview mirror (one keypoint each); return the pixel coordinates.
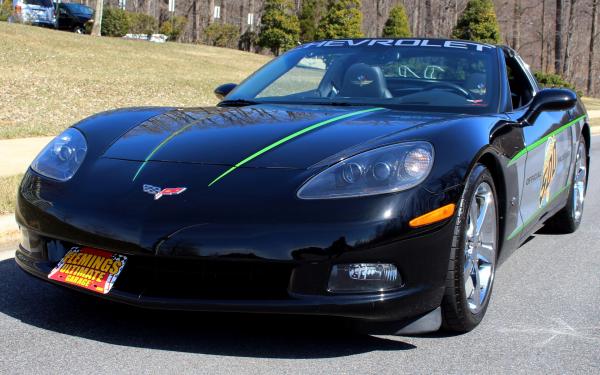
(549, 100)
(222, 91)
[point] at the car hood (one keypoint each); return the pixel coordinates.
(278, 136)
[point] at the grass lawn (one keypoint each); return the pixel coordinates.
(8, 193)
(591, 104)
(51, 79)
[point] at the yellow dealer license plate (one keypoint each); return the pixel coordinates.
(88, 268)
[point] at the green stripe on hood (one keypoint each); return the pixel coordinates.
(160, 145)
(292, 136)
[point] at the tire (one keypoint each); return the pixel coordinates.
(79, 30)
(473, 254)
(568, 219)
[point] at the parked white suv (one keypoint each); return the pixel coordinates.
(35, 12)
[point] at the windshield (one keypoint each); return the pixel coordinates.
(451, 76)
(79, 8)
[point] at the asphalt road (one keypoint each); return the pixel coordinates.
(544, 317)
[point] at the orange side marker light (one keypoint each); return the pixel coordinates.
(434, 216)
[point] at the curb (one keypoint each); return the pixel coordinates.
(8, 224)
(16, 154)
(7, 250)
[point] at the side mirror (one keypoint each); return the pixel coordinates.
(549, 100)
(222, 91)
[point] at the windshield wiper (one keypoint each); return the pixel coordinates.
(237, 103)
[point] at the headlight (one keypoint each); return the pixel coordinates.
(387, 169)
(62, 157)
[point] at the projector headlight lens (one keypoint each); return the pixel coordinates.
(62, 157)
(387, 169)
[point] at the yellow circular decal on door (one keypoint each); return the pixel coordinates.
(550, 163)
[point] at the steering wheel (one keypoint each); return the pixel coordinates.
(449, 85)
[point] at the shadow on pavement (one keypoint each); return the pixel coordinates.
(51, 308)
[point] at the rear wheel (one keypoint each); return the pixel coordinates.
(568, 219)
(474, 253)
(79, 30)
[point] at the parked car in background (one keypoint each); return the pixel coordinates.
(73, 16)
(35, 12)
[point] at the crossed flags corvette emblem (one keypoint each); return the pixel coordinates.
(159, 192)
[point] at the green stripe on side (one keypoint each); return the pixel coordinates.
(542, 140)
(290, 137)
(536, 213)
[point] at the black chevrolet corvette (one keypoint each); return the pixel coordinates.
(371, 179)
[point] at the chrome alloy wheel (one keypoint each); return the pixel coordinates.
(579, 183)
(480, 246)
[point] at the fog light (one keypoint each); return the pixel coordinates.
(364, 277)
(30, 241)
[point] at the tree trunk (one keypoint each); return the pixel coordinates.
(211, 10)
(516, 36)
(590, 82)
(455, 12)
(254, 15)
(223, 11)
(558, 38)
(415, 20)
(543, 37)
(567, 61)
(377, 17)
(548, 54)
(243, 19)
(196, 26)
(97, 26)
(429, 29)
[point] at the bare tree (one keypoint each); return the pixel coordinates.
(543, 38)
(429, 27)
(211, 10)
(567, 59)
(97, 26)
(252, 10)
(415, 20)
(196, 16)
(377, 16)
(593, 35)
(558, 37)
(516, 33)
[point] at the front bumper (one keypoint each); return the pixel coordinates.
(392, 306)
(295, 287)
(252, 265)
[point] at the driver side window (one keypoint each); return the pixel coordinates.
(305, 77)
(521, 90)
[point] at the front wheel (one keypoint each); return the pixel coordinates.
(473, 256)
